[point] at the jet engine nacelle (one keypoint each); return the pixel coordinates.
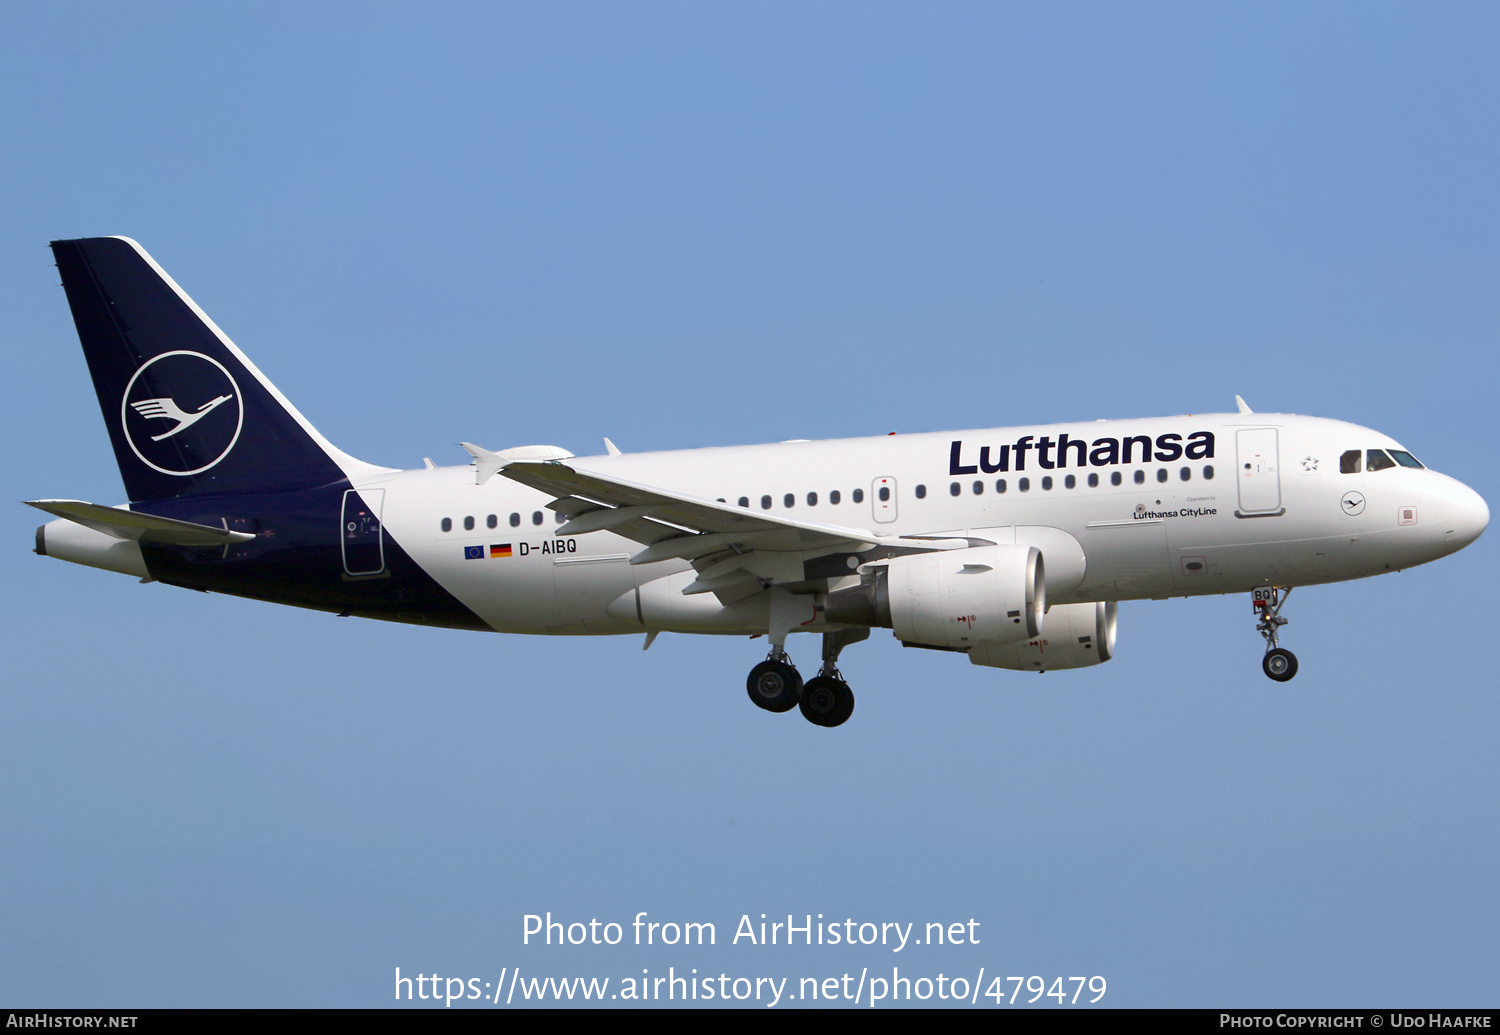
(1078, 635)
(957, 598)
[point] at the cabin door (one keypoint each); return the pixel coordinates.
(361, 535)
(1258, 470)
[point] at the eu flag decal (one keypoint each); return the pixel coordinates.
(473, 553)
(503, 550)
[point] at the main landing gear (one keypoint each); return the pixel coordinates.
(774, 684)
(1278, 663)
(825, 700)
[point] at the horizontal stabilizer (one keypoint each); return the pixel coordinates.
(146, 528)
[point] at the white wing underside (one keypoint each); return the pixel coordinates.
(736, 552)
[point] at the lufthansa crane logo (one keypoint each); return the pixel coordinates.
(181, 413)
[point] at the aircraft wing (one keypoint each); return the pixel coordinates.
(735, 551)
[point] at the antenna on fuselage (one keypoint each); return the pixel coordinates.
(1244, 406)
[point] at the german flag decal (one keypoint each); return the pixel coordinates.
(502, 550)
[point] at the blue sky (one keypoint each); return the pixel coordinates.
(682, 225)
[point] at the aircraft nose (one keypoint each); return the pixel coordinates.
(1468, 516)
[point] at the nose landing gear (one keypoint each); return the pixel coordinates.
(1279, 664)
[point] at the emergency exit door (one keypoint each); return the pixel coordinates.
(883, 499)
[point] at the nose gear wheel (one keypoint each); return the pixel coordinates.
(1279, 664)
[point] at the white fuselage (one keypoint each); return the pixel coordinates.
(1269, 506)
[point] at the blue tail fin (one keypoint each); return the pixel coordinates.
(187, 412)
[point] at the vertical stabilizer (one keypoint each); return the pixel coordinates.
(188, 414)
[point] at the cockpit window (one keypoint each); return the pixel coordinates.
(1376, 460)
(1349, 462)
(1405, 459)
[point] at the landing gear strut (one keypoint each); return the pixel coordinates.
(1278, 663)
(827, 699)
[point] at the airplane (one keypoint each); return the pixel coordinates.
(1012, 546)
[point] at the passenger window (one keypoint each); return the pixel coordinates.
(536, 517)
(559, 519)
(492, 521)
(468, 524)
(744, 501)
(1047, 482)
(954, 489)
(921, 492)
(1186, 473)
(834, 497)
(812, 499)
(1024, 484)
(1208, 473)
(788, 501)
(515, 520)
(1405, 459)
(858, 495)
(1161, 474)
(1093, 481)
(979, 488)
(765, 503)
(1376, 460)
(447, 524)
(1069, 481)
(1349, 462)
(1000, 485)
(1114, 477)
(1140, 477)
(885, 494)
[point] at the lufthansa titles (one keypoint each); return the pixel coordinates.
(1052, 454)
